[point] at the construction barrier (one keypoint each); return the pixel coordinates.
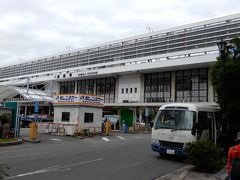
(69, 129)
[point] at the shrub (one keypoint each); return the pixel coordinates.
(205, 156)
(5, 118)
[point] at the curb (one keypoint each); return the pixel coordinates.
(32, 141)
(185, 173)
(180, 173)
(20, 141)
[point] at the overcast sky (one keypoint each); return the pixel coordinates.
(30, 29)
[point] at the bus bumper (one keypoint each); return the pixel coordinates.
(169, 150)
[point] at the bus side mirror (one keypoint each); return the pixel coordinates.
(193, 132)
(194, 129)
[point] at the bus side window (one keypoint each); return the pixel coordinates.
(206, 126)
(203, 126)
(202, 121)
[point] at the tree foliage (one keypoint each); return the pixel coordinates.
(232, 82)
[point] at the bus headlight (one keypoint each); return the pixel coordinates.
(155, 142)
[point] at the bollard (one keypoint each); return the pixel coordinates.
(33, 133)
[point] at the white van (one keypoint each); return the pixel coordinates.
(176, 124)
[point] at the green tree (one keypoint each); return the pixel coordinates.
(232, 82)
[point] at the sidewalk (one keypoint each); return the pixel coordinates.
(185, 173)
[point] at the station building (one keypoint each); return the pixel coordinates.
(134, 75)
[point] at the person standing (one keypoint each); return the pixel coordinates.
(233, 164)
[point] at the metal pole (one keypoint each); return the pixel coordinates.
(223, 84)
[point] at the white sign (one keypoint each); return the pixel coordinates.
(79, 98)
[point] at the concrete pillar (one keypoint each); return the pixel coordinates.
(76, 85)
(49, 109)
(134, 118)
(173, 85)
(94, 87)
(117, 90)
(140, 114)
(142, 85)
(25, 110)
(210, 89)
(119, 115)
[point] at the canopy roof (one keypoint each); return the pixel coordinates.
(8, 93)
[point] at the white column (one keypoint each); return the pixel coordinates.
(76, 84)
(142, 88)
(173, 85)
(117, 90)
(140, 114)
(94, 87)
(25, 110)
(210, 89)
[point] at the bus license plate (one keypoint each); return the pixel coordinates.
(170, 151)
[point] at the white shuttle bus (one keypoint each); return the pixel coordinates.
(176, 124)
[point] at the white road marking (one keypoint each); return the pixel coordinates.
(55, 168)
(120, 137)
(105, 139)
(138, 137)
(55, 139)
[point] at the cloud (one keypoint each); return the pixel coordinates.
(30, 29)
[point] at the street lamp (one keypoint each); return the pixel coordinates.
(223, 49)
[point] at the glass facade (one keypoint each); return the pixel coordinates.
(200, 35)
(192, 85)
(85, 86)
(67, 87)
(157, 87)
(106, 87)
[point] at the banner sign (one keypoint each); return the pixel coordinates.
(79, 98)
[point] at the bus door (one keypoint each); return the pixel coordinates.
(206, 126)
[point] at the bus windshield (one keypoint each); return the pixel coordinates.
(175, 119)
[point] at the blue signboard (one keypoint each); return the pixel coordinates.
(36, 106)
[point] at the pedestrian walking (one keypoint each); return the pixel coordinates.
(233, 163)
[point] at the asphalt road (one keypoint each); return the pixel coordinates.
(121, 156)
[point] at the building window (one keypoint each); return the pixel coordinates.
(135, 90)
(126, 90)
(88, 118)
(192, 85)
(157, 87)
(66, 116)
(122, 91)
(85, 86)
(106, 87)
(67, 87)
(130, 90)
